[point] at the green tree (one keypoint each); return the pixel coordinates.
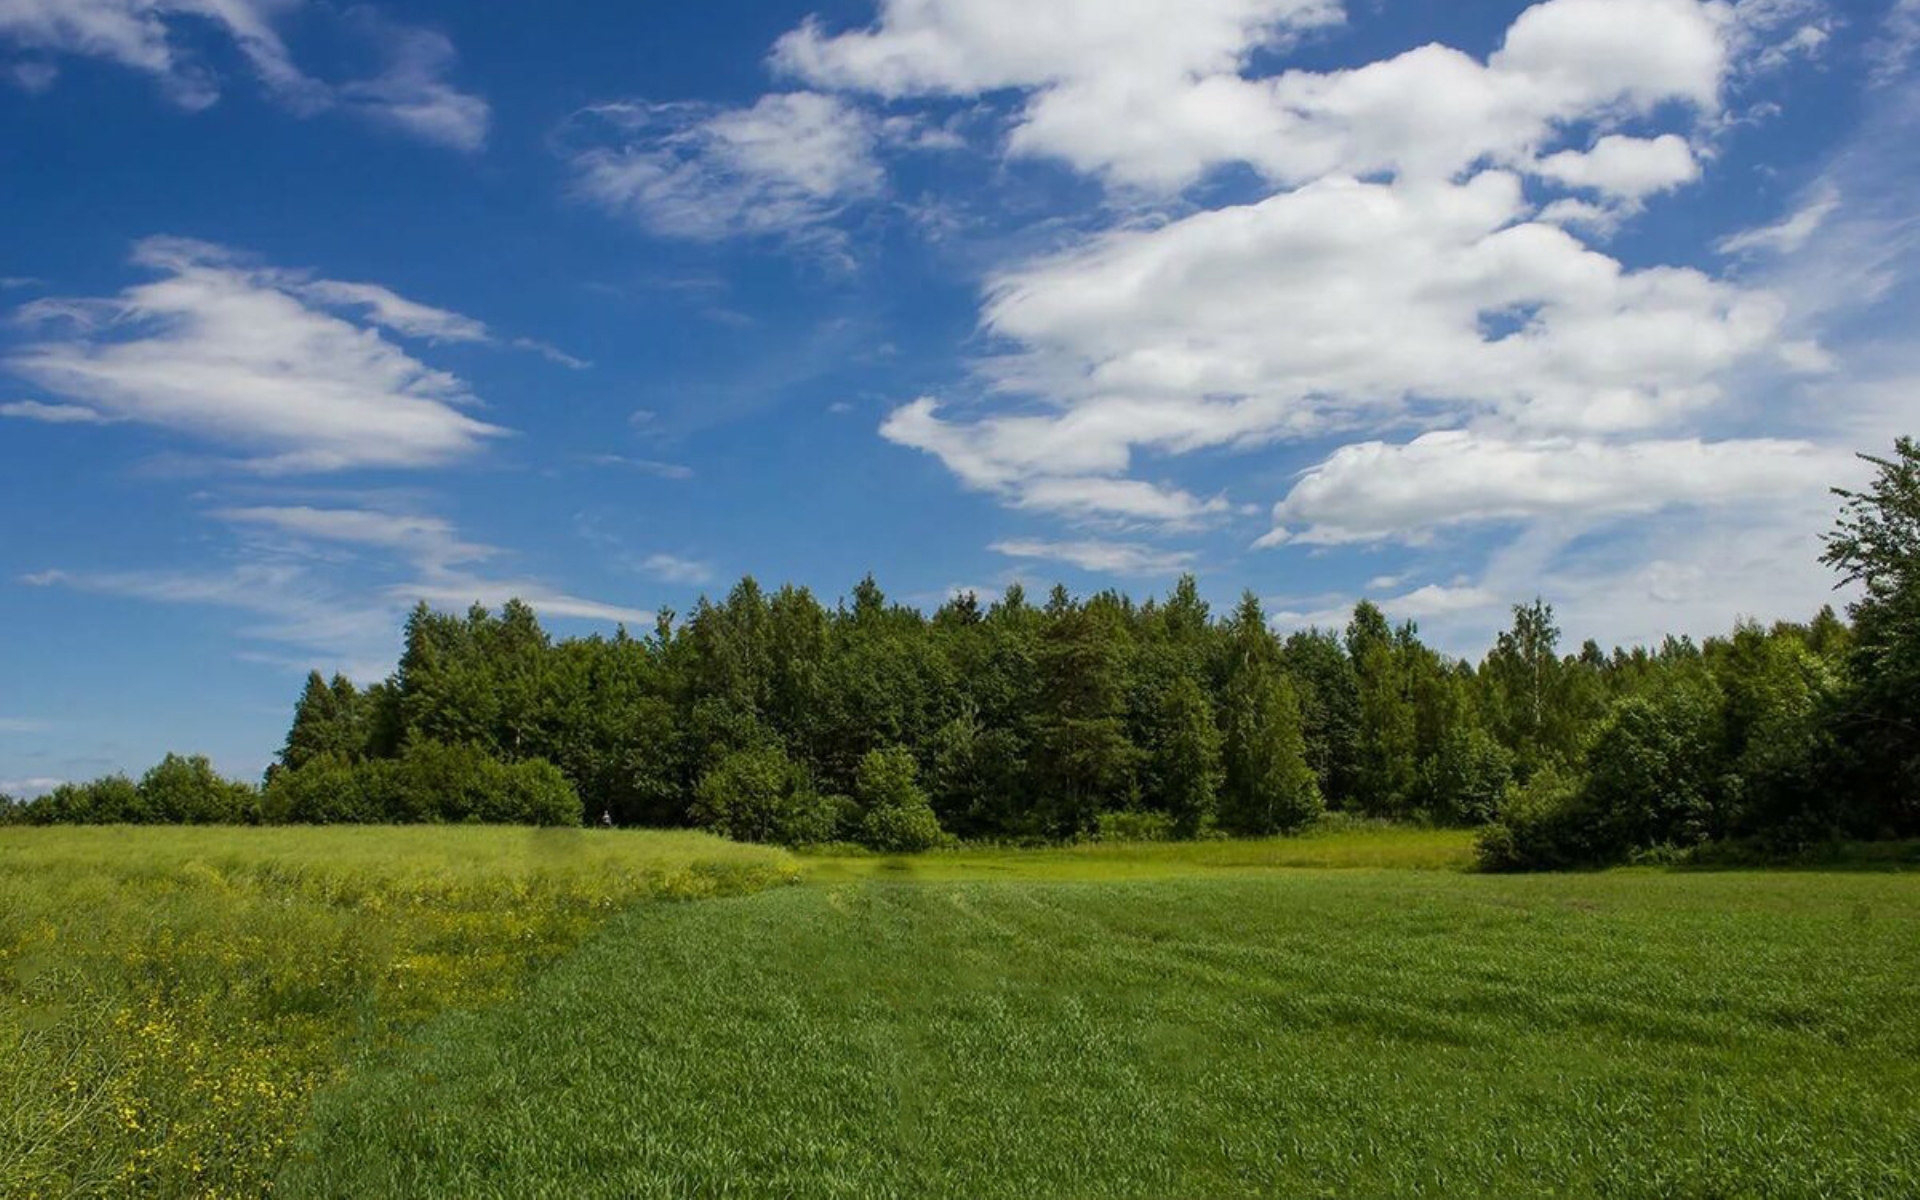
(760, 795)
(1083, 761)
(895, 814)
(1183, 765)
(1875, 545)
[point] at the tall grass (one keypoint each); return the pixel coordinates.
(171, 998)
(1332, 844)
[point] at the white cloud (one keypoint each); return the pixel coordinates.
(430, 541)
(1898, 42)
(646, 466)
(1335, 306)
(245, 356)
(23, 725)
(411, 95)
(1109, 558)
(1045, 463)
(785, 166)
(388, 310)
(334, 611)
(1373, 491)
(54, 414)
(1790, 234)
(461, 593)
(1630, 168)
(27, 789)
(1155, 95)
(674, 569)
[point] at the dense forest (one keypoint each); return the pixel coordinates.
(769, 716)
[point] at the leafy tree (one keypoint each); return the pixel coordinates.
(760, 795)
(1269, 788)
(896, 816)
(330, 719)
(188, 791)
(1875, 544)
(1183, 765)
(1083, 761)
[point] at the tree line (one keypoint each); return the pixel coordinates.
(767, 715)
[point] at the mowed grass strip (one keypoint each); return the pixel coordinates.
(170, 998)
(1311, 1032)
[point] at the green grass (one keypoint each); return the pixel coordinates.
(170, 998)
(1233, 1032)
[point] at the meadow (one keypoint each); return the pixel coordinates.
(1279, 1032)
(171, 998)
(448, 1011)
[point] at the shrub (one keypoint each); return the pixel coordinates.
(898, 818)
(431, 781)
(1546, 825)
(1135, 826)
(188, 791)
(760, 795)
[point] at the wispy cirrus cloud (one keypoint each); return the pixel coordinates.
(784, 166)
(1102, 557)
(411, 94)
(296, 372)
(328, 587)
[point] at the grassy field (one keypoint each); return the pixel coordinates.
(170, 998)
(485, 1012)
(1280, 1033)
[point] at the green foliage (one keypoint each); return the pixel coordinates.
(187, 791)
(177, 791)
(1466, 780)
(1183, 765)
(430, 782)
(1269, 788)
(761, 795)
(1875, 544)
(1138, 827)
(896, 816)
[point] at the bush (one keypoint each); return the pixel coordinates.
(1134, 826)
(1653, 769)
(431, 781)
(179, 790)
(760, 795)
(1546, 825)
(187, 791)
(898, 818)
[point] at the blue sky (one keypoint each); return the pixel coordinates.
(311, 310)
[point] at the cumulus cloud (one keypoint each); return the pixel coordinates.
(227, 351)
(1373, 490)
(411, 94)
(1629, 168)
(1155, 96)
(784, 166)
(1338, 305)
(1102, 557)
